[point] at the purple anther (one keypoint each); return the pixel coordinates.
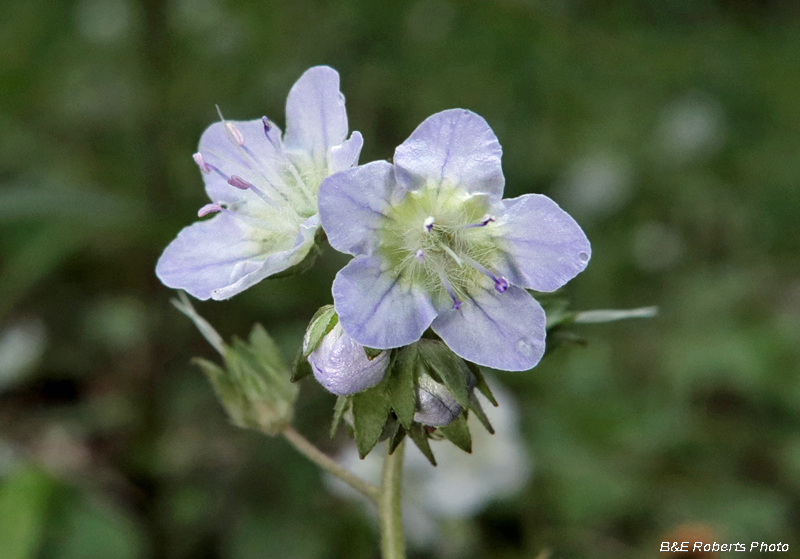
(235, 133)
(420, 255)
(209, 209)
(485, 220)
(500, 284)
(267, 126)
(239, 182)
(428, 223)
(198, 158)
(456, 304)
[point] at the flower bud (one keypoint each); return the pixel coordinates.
(342, 366)
(436, 405)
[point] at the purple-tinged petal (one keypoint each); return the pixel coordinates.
(455, 146)
(316, 119)
(220, 257)
(499, 330)
(544, 247)
(341, 365)
(437, 406)
(346, 155)
(352, 205)
(276, 261)
(377, 308)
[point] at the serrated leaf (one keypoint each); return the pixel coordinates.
(396, 438)
(301, 368)
(457, 433)
(321, 323)
(448, 366)
(338, 411)
(475, 407)
(370, 412)
(420, 438)
(401, 385)
(481, 384)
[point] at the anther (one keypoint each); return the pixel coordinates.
(198, 158)
(484, 221)
(428, 223)
(419, 255)
(233, 133)
(500, 284)
(239, 182)
(450, 291)
(209, 209)
(267, 125)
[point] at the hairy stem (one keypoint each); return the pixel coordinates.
(389, 512)
(322, 460)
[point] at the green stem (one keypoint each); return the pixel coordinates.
(311, 452)
(389, 513)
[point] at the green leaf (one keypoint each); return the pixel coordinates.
(371, 352)
(475, 407)
(338, 411)
(401, 385)
(321, 323)
(301, 368)
(458, 434)
(448, 366)
(230, 397)
(24, 501)
(481, 383)
(396, 438)
(420, 438)
(370, 412)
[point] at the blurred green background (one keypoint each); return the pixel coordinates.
(670, 129)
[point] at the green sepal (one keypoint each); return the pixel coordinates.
(301, 368)
(477, 409)
(338, 412)
(481, 383)
(441, 360)
(321, 323)
(401, 385)
(370, 411)
(457, 433)
(232, 399)
(396, 438)
(420, 438)
(371, 352)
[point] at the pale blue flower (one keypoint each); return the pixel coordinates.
(436, 246)
(263, 190)
(341, 365)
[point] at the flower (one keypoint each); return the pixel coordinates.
(436, 246)
(436, 405)
(263, 190)
(341, 365)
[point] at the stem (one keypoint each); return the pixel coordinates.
(389, 513)
(314, 454)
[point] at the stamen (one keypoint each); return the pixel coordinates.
(234, 134)
(209, 209)
(239, 182)
(198, 158)
(500, 283)
(484, 221)
(267, 126)
(419, 255)
(452, 254)
(450, 290)
(428, 223)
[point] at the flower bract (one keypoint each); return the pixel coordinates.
(435, 245)
(263, 190)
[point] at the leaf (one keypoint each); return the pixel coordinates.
(481, 383)
(301, 368)
(321, 323)
(611, 315)
(447, 366)
(475, 406)
(397, 438)
(420, 438)
(370, 412)
(338, 411)
(458, 434)
(401, 385)
(24, 501)
(232, 399)
(371, 352)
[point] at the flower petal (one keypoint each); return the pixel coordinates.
(544, 246)
(376, 308)
(499, 330)
(221, 257)
(455, 146)
(341, 365)
(316, 119)
(346, 155)
(352, 205)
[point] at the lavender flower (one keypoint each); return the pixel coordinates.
(263, 190)
(436, 246)
(341, 365)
